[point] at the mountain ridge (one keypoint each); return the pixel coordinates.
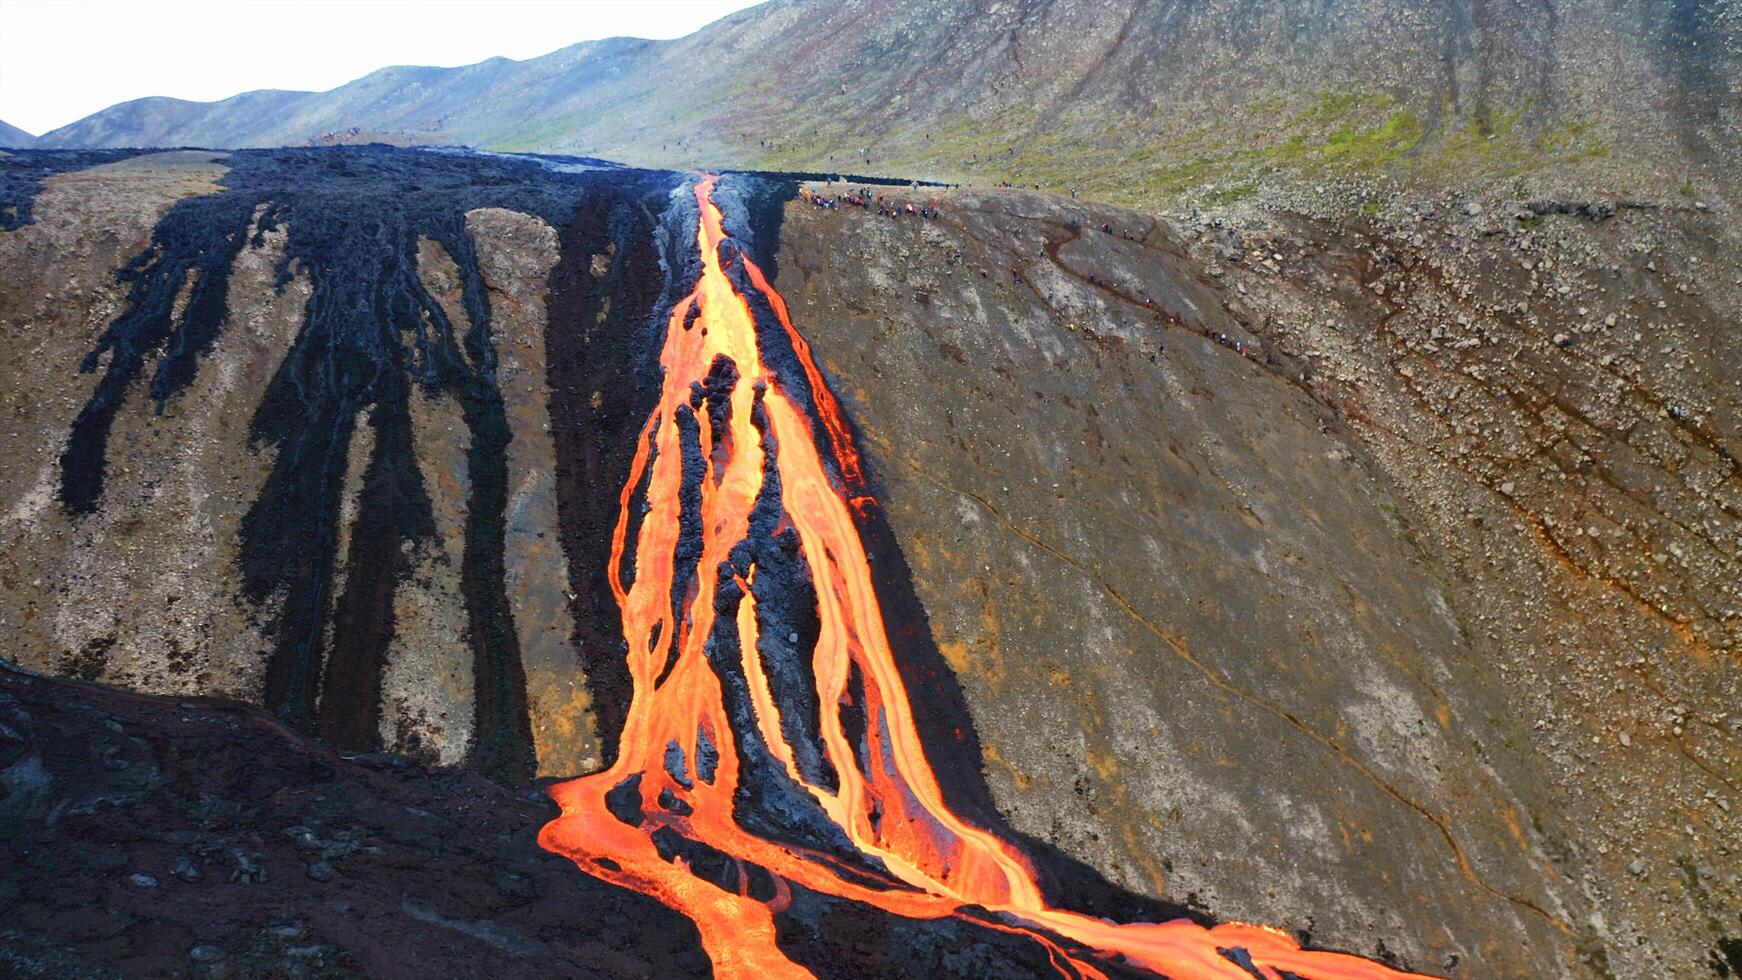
(14, 137)
(1135, 101)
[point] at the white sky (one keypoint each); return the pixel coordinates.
(61, 60)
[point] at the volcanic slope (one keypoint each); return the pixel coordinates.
(1427, 564)
(1127, 100)
(1374, 580)
(13, 137)
(349, 220)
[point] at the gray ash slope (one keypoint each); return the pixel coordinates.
(1358, 577)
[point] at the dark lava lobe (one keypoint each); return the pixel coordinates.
(372, 335)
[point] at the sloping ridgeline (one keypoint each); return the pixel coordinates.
(372, 335)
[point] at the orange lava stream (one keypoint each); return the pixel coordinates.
(889, 804)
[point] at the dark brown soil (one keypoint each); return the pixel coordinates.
(147, 837)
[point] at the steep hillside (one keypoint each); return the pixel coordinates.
(1410, 545)
(1134, 101)
(13, 137)
(1376, 579)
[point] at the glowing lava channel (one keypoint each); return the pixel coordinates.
(727, 461)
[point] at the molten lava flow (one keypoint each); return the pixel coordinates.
(736, 503)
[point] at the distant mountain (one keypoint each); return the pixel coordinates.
(1125, 99)
(14, 137)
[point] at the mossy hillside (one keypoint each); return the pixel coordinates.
(1170, 158)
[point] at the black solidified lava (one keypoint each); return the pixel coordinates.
(689, 536)
(354, 218)
(1726, 960)
(840, 940)
(787, 623)
(607, 292)
(624, 800)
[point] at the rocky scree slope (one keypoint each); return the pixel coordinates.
(1438, 510)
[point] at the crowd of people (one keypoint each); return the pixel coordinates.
(866, 199)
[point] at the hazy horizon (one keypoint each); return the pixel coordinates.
(61, 60)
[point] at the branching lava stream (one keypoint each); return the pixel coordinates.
(753, 760)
